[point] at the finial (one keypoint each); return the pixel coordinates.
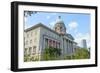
(59, 17)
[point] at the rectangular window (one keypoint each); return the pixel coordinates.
(25, 51)
(30, 50)
(54, 44)
(35, 40)
(50, 43)
(34, 50)
(31, 33)
(27, 35)
(30, 41)
(26, 43)
(35, 32)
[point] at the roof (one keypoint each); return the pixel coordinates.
(40, 25)
(70, 36)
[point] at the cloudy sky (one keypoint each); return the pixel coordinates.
(78, 25)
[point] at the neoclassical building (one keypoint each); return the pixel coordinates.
(39, 36)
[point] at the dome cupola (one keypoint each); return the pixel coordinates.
(60, 26)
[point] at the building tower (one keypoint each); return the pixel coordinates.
(84, 44)
(60, 26)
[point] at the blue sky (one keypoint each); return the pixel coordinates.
(78, 25)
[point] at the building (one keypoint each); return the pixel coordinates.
(84, 44)
(39, 36)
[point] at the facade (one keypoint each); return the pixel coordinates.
(84, 44)
(39, 36)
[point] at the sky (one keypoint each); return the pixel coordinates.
(77, 24)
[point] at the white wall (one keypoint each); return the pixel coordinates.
(5, 17)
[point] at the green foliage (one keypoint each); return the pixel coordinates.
(34, 59)
(81, 53)
(51, 53)
(67, 57)
(26, 58)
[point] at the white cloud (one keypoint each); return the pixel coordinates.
(73, 25)
(79, 37)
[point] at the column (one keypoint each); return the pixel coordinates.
(66, 46)
(48, 42)
(63, 46)
(56, 44)
(73, 47)
(69, 47)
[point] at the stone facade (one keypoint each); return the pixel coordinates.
(38, 37)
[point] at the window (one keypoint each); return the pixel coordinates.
(26, 43)
(27, 35)
(34, 50)
(50, 43)
(35, 32)
(35, 40)
(25, 51)
(55, 28)
(30, 50)
(31, 33)
(24, 37)
(30, 41)
(61, 28)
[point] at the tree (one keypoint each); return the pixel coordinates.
(29, 13)
(51, 53)
(81, 53)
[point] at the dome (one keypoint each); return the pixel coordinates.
(60, 26)
(59, 22)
